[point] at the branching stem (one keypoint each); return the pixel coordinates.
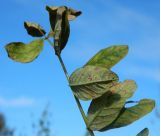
(76, 99)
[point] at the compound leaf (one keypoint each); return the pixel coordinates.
(34, 29)
(91, 82)
(144, 132)
(24, 53)
(109, 57)
(105, 109)
(132, 114)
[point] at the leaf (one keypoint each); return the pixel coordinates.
(91, 82)
(72, 14)
(34, 29)
(144, 132)
(52, 15)
(60, 26)
(108, 57)
(105, 109)
(132, 114)
(24, 53)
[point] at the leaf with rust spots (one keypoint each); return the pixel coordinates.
(132, 114)
(91, 82)
(109, 57)
(105, 109)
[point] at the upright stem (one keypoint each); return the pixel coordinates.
(76, 99)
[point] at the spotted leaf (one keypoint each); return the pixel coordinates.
(132, 114)
(105, 109)
(91, 82)
(109, 57)
(24, 53)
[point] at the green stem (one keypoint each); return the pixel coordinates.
(76, 99)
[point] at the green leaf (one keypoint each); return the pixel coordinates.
(109, 57)
(144, 132)
(60, 26)
(72, 14)
(24, 53)
(132, 114)
(105, 109)
(34, 29)
(91, 82)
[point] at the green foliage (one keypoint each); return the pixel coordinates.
(95, 81)
(34, 29)
(144, 132)
(91, 82)
(104, 110)
(130, 115)
(109, 57)
(24, 53)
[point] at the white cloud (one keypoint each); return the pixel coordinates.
(16, 102)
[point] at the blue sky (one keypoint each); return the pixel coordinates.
(25, 89)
